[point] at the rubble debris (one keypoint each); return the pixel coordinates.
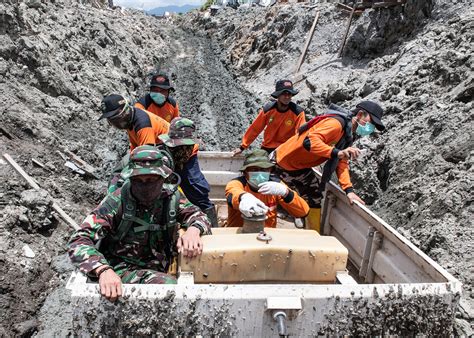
(27, 252)
(35, 186)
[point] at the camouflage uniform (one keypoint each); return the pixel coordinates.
(137, 242)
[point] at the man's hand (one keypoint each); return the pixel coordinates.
(350, 153)
(273, 188)
(353, 197)
(236, 151)
(110, 284)
(190, 244)
(251, 206)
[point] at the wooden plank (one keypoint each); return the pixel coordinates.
(82, 164)
(35, 186)
(5, 132)
(308, 41)
(349, 22)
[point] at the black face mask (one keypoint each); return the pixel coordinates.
(146, 192)
(122, 120)
(181, 155)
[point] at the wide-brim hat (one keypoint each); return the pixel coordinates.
(182, 132)
(148, 160)
(284, 86)
(257, 158)
(375, 111)
(175, 142)
(112, 105)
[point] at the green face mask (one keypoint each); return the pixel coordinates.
(158, 98)
(257, 177)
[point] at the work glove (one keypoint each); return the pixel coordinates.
(273, 188)
(251, 206)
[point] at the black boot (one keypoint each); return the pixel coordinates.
(211, 214)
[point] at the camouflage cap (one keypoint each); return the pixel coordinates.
(148, 160)
(257, 158)
(181, 133)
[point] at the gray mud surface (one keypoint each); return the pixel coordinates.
(57, 60)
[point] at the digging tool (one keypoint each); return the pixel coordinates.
(347, 28)
(35, 186)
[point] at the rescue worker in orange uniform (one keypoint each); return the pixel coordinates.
(257, 193)
(280, 119)
(325, 139)
(142, 127)
(158, 101)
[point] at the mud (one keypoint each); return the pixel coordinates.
(57, 60)
(160, 316)
(417, 61)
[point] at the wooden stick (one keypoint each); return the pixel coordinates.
(347, 29)
(35, 186)
(308, 41)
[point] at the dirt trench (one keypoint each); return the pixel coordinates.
(54, 70)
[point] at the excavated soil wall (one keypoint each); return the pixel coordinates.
(58, 58)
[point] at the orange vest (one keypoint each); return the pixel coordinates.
(168, 111)
(314, 147)
(146, 127)
(279, 126)
(292, 203)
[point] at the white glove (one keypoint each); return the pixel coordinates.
(273, 188)
(251, 206)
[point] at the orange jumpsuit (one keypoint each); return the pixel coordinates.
(279, 126)
(292, 203)
(146, 127)
(168, 111)
(314, 147)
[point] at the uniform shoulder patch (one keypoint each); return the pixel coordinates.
(295, 108)
(172, 101)
(269, 106)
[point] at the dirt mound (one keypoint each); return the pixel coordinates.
(417, 61)
(57, 60)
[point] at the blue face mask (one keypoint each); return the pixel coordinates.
(257, 177)
(158, 98)
(365, 130)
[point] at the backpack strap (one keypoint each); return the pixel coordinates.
(129, 209)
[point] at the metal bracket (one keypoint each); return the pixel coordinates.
(329, 203)
(185, 278)
(290, 305)
(343, 277)
(376, 244)
(368, 247)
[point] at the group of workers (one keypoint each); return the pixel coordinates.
(158, 188)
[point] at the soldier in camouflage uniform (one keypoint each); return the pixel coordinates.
(182, 146)
(138, 224)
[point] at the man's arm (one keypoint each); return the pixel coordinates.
(233, 190)
(196, 224)
(294, 204)
(254, 130)
(81, 245)
(344, 178)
